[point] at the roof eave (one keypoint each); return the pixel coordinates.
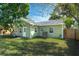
(51, 24)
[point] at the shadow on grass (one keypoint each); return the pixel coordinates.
(32, 49)
(73, 47)
(40, 48)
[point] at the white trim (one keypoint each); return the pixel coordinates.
(51, 24)
(26, 20)
(62, 31)
(23, 32)
(30, 31)
(31, 23)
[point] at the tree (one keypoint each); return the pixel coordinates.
(69, 10)
(55, 16)
(68, 22)
(10, 12)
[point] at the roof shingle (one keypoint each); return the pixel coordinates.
(44, 23)
(49, 22)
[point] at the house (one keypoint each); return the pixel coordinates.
(50, 28)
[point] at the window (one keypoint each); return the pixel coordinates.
(24, 29)
(35, 29)
(51, 30)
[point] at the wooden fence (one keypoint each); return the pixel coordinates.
(71, 34)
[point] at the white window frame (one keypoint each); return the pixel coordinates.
(51, 30)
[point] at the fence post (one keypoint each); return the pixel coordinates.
(64, 33)
(75, 34)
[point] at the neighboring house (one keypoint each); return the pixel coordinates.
(4, 32)
(50, 28)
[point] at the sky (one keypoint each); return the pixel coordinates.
(40, 11)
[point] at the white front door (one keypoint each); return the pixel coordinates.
(24, 32)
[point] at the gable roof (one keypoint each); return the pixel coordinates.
(50, 22)
(28, 21)
(44, 23)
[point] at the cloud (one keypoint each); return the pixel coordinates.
(40, 12)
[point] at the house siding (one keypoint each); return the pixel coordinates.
(19, 31)
(57, 31)
(32, 31)
(27, 30)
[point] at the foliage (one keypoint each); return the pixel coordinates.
(68, 22)
(54, 16)
(68, 10)
(11, 12)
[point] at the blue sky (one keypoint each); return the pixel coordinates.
(40, 11)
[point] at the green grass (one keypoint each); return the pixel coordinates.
(36, 47)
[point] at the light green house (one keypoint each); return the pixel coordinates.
(51, 28)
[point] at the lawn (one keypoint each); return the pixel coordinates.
(36, 47)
